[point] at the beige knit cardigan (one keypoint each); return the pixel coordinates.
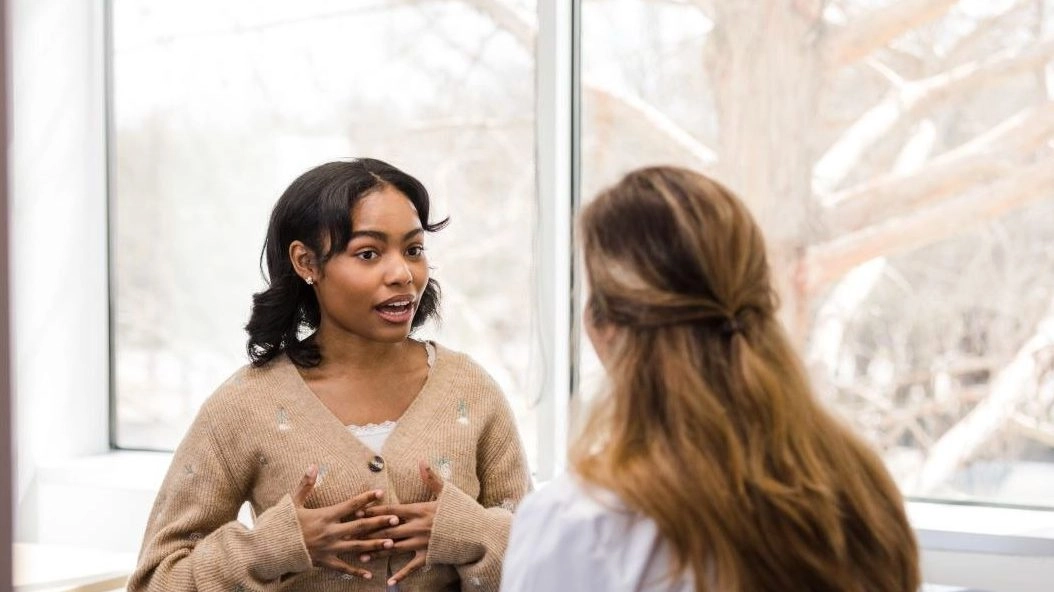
(253, 439)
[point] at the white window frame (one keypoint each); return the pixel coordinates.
(61, 306)
(556, 158)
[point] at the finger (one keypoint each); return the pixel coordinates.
(408, 545)
(415, 563)
(359, 529)
(403, 511)
(365, 547)
(350, 506)
(432, 481)
(397, 533)
(400, 548)
(375, 511)
(338, 565)
(307, 483)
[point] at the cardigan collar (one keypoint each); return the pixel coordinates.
(297, 395)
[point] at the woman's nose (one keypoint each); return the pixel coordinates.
(401, 273)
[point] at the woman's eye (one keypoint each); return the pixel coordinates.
(415, 251)
(367, 255)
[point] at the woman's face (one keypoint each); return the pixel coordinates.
(373, 288)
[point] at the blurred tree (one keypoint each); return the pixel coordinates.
(873, 140)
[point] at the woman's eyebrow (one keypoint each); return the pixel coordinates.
(383, 236)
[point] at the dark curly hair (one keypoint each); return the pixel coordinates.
(316, 210)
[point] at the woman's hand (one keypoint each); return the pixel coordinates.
(327, 534)
(414, 530)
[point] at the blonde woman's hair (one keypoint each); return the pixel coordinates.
(711, 427)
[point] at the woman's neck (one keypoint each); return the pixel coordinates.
(353, 353)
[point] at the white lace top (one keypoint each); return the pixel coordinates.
(373, 434)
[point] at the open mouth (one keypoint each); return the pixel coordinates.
(396, 311)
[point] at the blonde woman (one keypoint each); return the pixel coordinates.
(709, 465)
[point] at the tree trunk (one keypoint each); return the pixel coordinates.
(765, 69)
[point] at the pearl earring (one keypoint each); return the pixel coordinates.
(310, 281)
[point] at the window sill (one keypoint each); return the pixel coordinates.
(963, 546)
(983, 529)
(117, 488)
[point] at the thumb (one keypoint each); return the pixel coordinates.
(432, 481)
(307, 483)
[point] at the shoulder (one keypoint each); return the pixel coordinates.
(563, 536)
(592, 537)
(574, 502)
(460, 373)
(247, 387)
(460, 364)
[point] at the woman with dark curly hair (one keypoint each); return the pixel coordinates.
(366, 455)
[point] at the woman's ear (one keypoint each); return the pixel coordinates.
(305, 264)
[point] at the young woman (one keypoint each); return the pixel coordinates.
(710, 465)
(405, 452)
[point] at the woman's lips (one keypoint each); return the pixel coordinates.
(396, 313)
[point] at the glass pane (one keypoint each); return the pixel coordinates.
(218, 106)
(900, 161)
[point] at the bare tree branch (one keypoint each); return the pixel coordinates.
(871, 31)
(900, 106)
(826, 262)
(825, 340)
(967, 45)
(660, 127)
(976, 162)
(1014, 384)
(707, 6)
(1034, 429)
(508, 19)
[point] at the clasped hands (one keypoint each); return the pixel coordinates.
(363, 525)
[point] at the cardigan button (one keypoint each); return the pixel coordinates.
(376, 464)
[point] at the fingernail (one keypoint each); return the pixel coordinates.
(394, 521)
(367, 576)
(379, 493)
(364, 558)
(392, 582)
(389, 544)
(360, 514)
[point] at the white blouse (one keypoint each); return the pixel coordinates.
(567, 537)
(373, 435)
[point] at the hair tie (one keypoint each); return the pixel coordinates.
(731, 326)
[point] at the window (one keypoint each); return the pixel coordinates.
(898, 155)
(218, 106)
(900, 160)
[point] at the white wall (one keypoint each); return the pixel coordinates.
(58, 235)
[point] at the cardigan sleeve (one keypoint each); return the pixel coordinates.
(193, 540)
(471, 533)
